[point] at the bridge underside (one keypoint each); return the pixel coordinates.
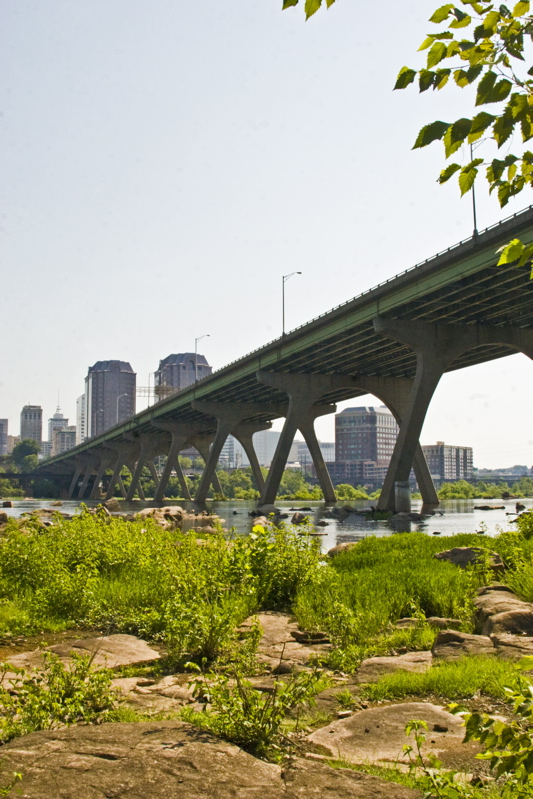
(396, 341)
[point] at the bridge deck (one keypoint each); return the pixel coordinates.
(462, 285)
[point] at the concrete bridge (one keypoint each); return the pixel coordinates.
(394, 341)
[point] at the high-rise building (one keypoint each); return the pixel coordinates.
(57, 422)
(46, 450)
(81, 425)
(12, 442)
(109, 395)
(179, 371)
(365, 434)
(327, 449)
(63, 439)
(446, 462)
(31, 423)
(3, 436)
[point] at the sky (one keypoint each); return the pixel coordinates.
(163, 165)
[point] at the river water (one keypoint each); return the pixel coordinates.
(453, 516)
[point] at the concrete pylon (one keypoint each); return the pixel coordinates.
(181, 433)
(436, 347)
(228, 415)
(106, 462)
(202, 442)
(127, 455)
(304, 390)
(91, 464)
(151, 444)
(79, 466)
(395, 393)
(244, 433)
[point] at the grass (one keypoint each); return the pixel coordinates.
(456, 680)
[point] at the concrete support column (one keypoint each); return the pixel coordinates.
(151, 444)
(127, 455)
(436, 346)
(202, 442)
(244, 433)
(228, 415)
(395, 393)
(78, 469)
(181, 433)
(304, 391)
(92, 464)
(106, 462)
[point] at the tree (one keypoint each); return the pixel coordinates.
(24, 455)
(483, 45)
(311, 6)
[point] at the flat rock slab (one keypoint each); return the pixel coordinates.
(452, 645)
(512, 647)
(372, 669)
(378, 735)
(147, 760)
(494, 601)
(278, 649)
(109, 651)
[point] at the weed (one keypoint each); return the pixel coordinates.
(53, 696)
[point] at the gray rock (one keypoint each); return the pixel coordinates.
(443, 624)
(148, 760)
(112, 505)
(266, 510)
(467, 556)
(378, 735)
(299, 518)
(408, 623)
(340, 548)
(7, 503)
(452, 645)
(512, 647)
(3, 517)
(494, 601)
(371, 669)
(514, 622)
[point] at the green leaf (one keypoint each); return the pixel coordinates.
(436, 54)
(461, 23)
(511, 252)
(430, 133)
(447, 173)
(468, 175)
(485, 87)
(480, 123)
(441, 78)
(426, 79)
(311, 7)
(503, 128)
(520, 9)
(405, 77)
(428, 41)
(289, 3)
(441, 13)
(455, 135)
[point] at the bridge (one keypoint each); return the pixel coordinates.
(395, 341)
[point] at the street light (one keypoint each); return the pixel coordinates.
(118, 400)
(101, 410)
(283, 281)
(196, 340)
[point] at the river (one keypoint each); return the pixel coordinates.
(453, 516)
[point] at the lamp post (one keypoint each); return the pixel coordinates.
(283, 281)
(196, 340)
(118, 400)
(101, 410)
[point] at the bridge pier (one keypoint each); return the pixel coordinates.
(436, 347)
(181, 433)
(244, 433)
(79, 464)
(202, 442)
(151, 444)
(91, 464)
(304, 391)
(127, 455)
(106, 462)
(229, 416)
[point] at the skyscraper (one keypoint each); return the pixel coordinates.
(448, 462)
(109, 395)
(179, 371)
(365, 434)
(57, 422)
(81, 421)
(31, 423)
(3, 436)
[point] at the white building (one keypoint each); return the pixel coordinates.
(81, 427)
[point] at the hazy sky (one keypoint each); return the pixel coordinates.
(164, 164)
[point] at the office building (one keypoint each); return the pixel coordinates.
(109, 395)
(63, 439)
(447, 462)
(81, 427)
(327, 449)
(365, 434)
(178, 371)
(57, 422)
(46, 450)
(3, 436)
(31, 423)
(12, 442)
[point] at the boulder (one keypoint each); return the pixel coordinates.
(377, 735)
(56, 504)
(440, 623)
(468, 556)
(266, 510)
(146, 760)
(299, 518)
(514, 622)
(340, 548)
(3, 517)
(407, 623)
(493, 601)
(512, 647)
(7, 503)
(452, 645)
(113, 505)
(371, 669)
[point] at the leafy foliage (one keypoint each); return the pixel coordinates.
(54, 695)
(311, 6)
(482, 45)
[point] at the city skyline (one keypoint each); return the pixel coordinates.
(145, 230)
